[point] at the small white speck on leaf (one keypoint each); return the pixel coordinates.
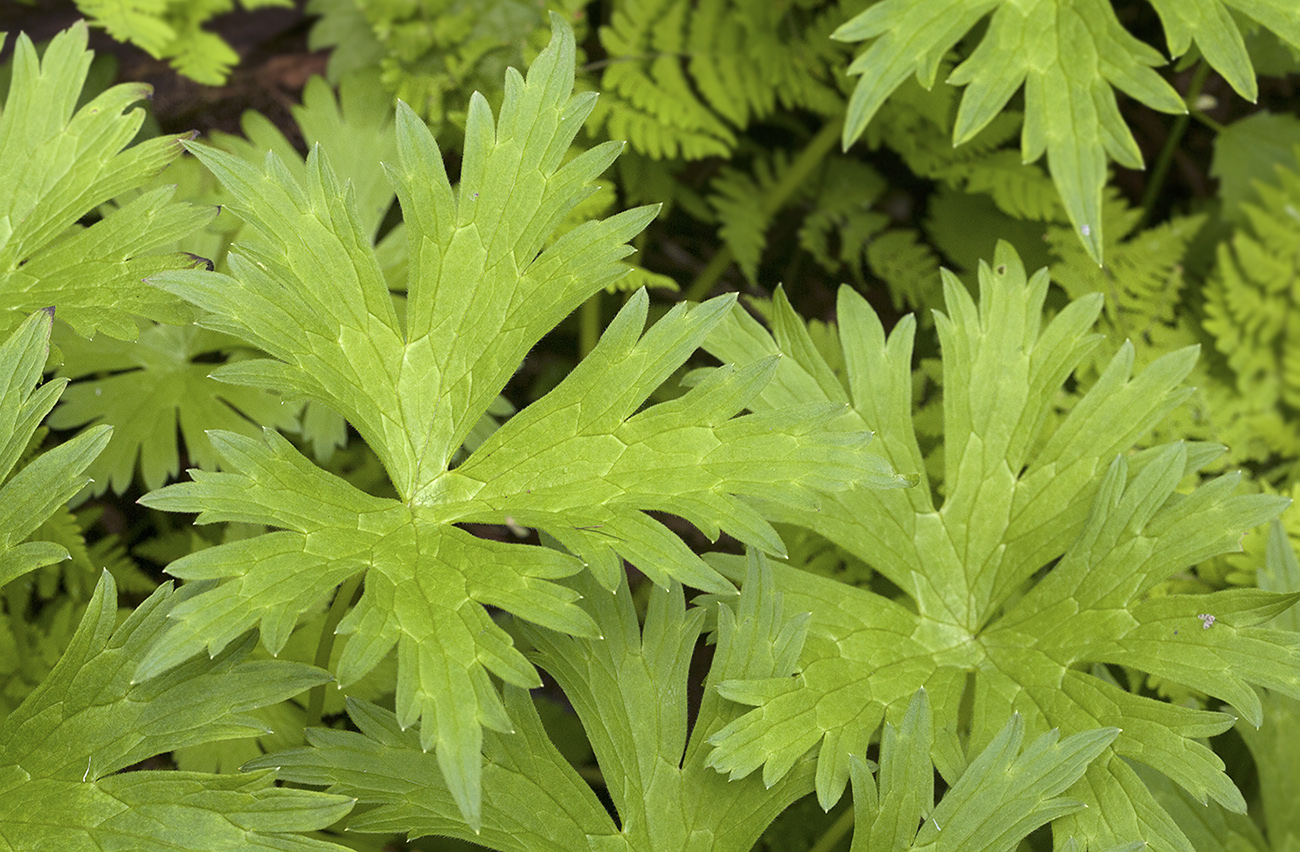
(1086, 230)
(1207, 620)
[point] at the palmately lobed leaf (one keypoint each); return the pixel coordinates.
(1032, 574)
(1068, 56)
(486, 279)
(29, 496)
(629, 687)
(62, 751)
(56, 166)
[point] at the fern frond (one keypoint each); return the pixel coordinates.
(681, 79)
(908, 266)
(740, 199)
(433, 54)
(1253, 299)
(173, 30)
(1142, 282)
(842, 224)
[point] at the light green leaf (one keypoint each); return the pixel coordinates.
(1069, 56)
(1040, 559)
(63, 749)
(1003, 795)
(148, 388)
(31, 495)
(356, 125)
(55, 168)
(585, 463)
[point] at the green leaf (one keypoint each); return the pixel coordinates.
(32, 494)
(356, 125)
(1003, 795)
(1248, 151)
(1038, 561)
(629, 688)
(57, 166)
(147, 388)
(1206, 826)
(1276, 736)
(1210, 24)
(1067, 55)
(63, 749)
(585, 464)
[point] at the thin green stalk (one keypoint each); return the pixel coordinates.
(589, 324)
(325, 647)
(812, 156)
(1161, 169)
(835, 833)
(709, 275)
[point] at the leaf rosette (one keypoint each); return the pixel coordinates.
(1031, 575)
(487, 279)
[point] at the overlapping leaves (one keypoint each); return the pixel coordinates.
(1003, 795)
(1067, 54)
(1036, 565)
(29, 496)
(56, 166)
(584, 464)
(63, 749)
(630, 690)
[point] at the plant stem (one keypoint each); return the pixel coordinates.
(812, 156)
(1166, 158)
(325, 647)
(838, 829)
(589, 324)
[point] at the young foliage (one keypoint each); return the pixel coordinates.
(1035, 565)
(56, 166)
(32, 494)
(62, 750)
(583, 464)
(1067, 54)
(629, 688)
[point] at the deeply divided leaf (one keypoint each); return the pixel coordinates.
(487, 279)
(1035, 569)
(62, 750)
